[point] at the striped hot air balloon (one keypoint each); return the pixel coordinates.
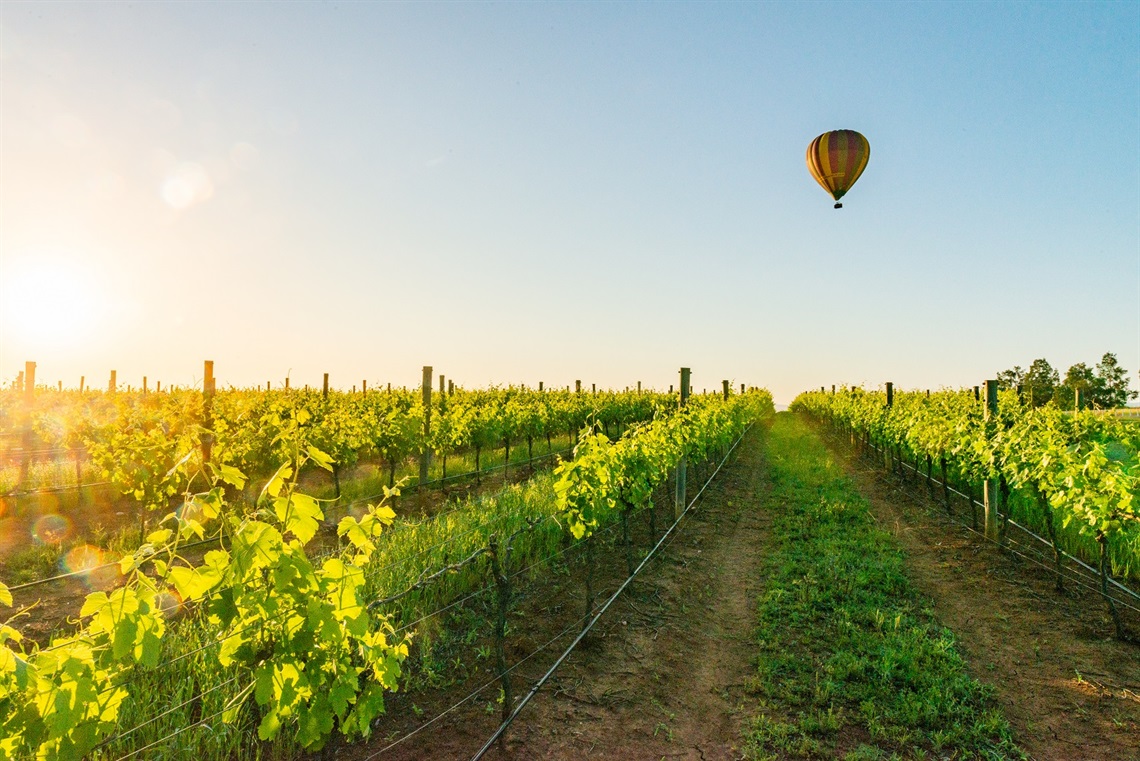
(836, 159)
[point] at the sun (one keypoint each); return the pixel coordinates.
(50, 301)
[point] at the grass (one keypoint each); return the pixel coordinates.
(851, 664)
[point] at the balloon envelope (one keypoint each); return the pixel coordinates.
(836, 159)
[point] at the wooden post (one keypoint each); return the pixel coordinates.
(158, 387)
(364, 386)
(725, 390)
(670, 388)
(593, 388)
(679, 495)
(82, 382)
(208, 410)
(990, 487)
(20, 381)
(1079, 399)
(639, 388)
(977, 394)
(144, 385)
(577, 387)
(451, 387)
(540, 385)
(112, 385)
(29, 381)
(890, 393)
(742, 389)
(833, 388)
(286, 382)
(425, 457)
(59, 385)
(822, 390)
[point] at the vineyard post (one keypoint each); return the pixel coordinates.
(990, 485)
(540, 385)
(113, 383)
(441, 384)
(20, 381)
(144, 385)
(450, 387)
(364, 386)
(325, 387)
(679, 494)
(593, 388)
(670, 388)
(29, 399)
(741, 389)
(503, 587)
(208, 410)
(833, 389)
(639, 388)
(886, 444)
(425, 456)
(1079, 399)
(577, 387)
(29, 382)
(286, 382)
(82, 382)
(977, 394)
(725, 390)
(59, 385)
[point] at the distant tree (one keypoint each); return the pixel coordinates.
(1012, 378)
(1079, 376)
(1040, 383)
(1111, 386)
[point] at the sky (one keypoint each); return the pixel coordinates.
(525, 192)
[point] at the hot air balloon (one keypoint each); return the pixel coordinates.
(836, 159)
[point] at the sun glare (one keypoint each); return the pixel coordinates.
(50, 303)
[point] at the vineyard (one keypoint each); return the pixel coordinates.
(1071, 481)
(250, 608)
(268, 574)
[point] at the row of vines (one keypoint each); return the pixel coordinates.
(267, 637)
(1072, 477)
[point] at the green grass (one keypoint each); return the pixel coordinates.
(851, 664)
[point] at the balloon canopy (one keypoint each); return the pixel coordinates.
(836, 159)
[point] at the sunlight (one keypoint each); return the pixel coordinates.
(50, 302)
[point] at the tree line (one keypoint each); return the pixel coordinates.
(1104, 386)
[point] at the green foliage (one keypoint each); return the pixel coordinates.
(1083, 465)
(845, 646)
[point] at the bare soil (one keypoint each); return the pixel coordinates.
(661, 675)
(1068, 688)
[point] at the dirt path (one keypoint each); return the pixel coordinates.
(660, 676)
(1069, 690)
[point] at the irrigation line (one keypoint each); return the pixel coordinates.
(973, 502)
(83, 571)
(153, 719)
(485, 685)
(581, 635)
(51, 490)
(173, 734)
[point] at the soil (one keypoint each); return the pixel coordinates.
(1068, 688)
(661, 675)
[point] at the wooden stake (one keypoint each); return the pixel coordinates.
(990, 487)
(679, 494)
(425, 457)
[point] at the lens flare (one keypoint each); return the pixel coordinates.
(169, 603)
(97, 566)
(51, 528)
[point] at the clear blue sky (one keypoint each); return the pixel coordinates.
(524, 192)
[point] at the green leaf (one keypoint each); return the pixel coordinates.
(5, 595)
